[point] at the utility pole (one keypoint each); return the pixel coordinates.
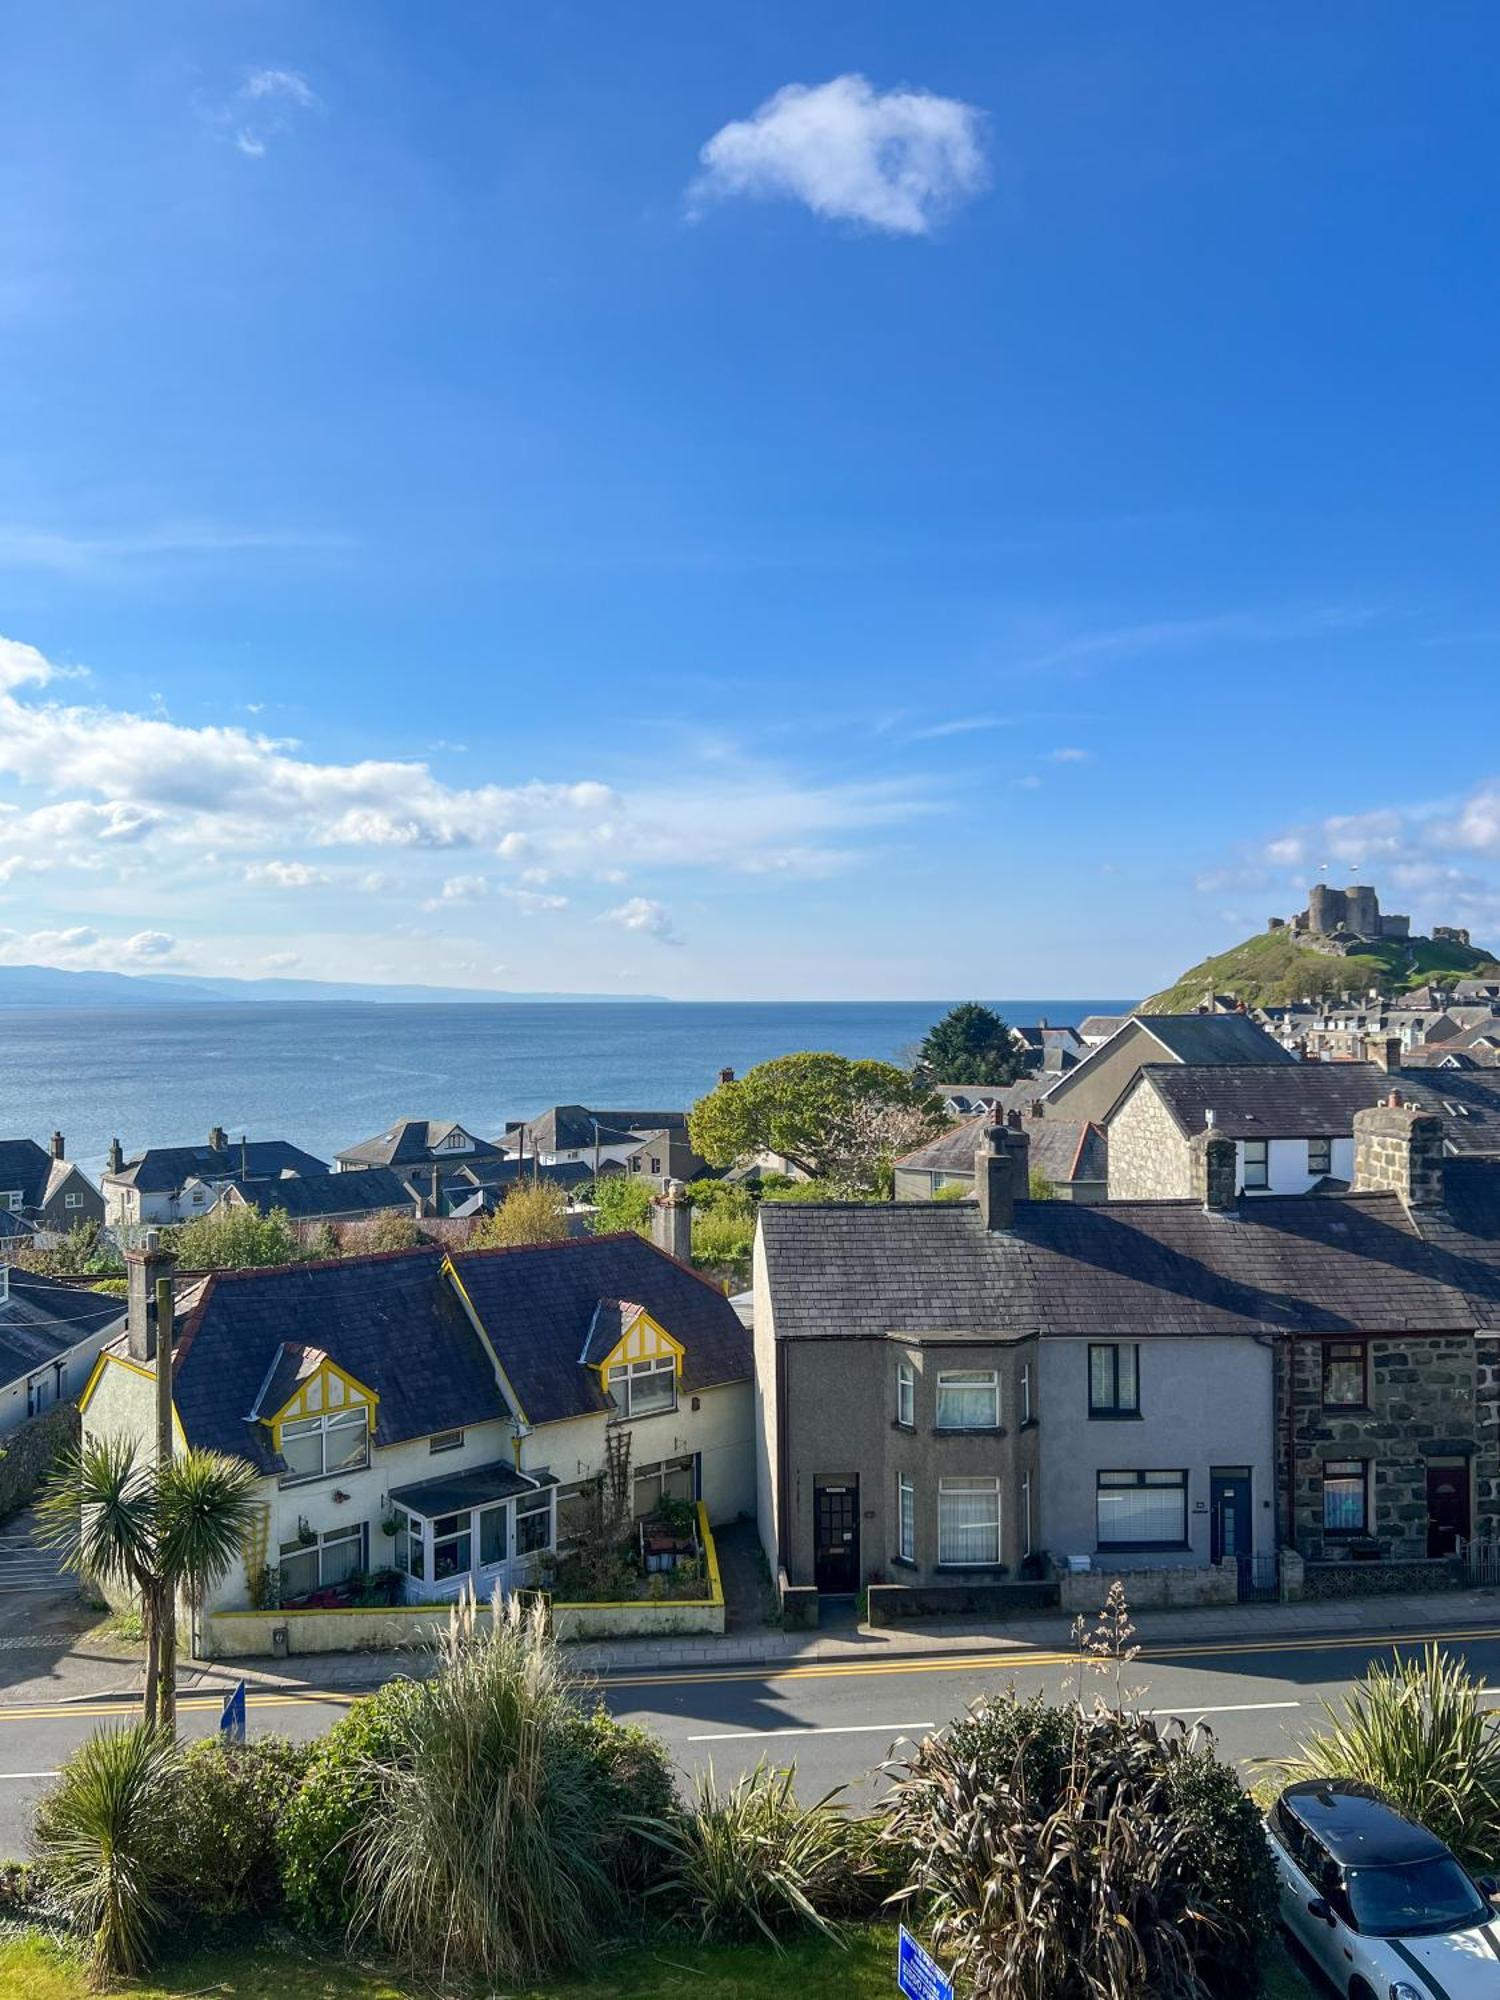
(167, 1609)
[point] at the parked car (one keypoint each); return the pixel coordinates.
(1377, 1902)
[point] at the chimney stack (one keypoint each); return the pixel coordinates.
(56, 1147)
(145, 1266)
(726, 1076)
(217, 1143)
(1036, 1108)
(672, 1222)
(1213, 1164)
(1398, 1149)
(116, 1158)
(1002, 1172)
(1385, 1053)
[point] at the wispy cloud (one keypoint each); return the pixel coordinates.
(1070, 754)
(262, 109)
(895, 160)
(1168, 635)
(28, 547)
(962, 725)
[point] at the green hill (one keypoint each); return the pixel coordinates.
(1274, 968)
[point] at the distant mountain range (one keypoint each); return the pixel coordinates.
(49, 986)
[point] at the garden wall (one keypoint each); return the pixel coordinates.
(1150, 1589)
(890, 1603)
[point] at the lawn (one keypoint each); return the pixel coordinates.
(33, 1969)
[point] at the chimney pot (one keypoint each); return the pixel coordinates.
(217, 1143)
(116, 1158)
(726, 1076)
(1036, 1108)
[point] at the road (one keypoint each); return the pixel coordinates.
(838, 1721)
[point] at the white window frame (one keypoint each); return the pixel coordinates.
(967, 1380)
(14, 1200)
(534, 1506)
(906, 1518)
(1325, 1147)
(445, 1441)
(622, 1381)
(72, 1201)
(951, 1490)
(330, 1538)
(1025, 1392)
(323, 1426)
(658, 1474)
(906, 1394)
(1257, 1177)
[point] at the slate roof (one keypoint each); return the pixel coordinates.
(538, 1303)
(1214, 1038)
(411, 1140)
(611, 1317)
(307, 1197)
(27, 1166)
(1342, 1264)
(388, 1320)
(43, 1318)
(569, 1128)
(162, 1169)
(291, 1365)
(1096, 1027)
(1062, 1149)
(1319, 1100)
(1465, 1234)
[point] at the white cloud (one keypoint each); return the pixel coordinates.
(71, 554)
(287, 83)
(281, 961)
(1031, 783)
(645, 915)
(531, 904)
(459, 889)
(81, 948)
(895, 160)
(261, 109)
(1069, 755)
(963, 725)
(284, 875)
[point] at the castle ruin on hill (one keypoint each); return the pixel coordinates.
(1340, 920)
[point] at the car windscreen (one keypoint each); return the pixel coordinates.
(1412, 1897)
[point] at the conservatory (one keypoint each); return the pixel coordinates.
(485, 1526)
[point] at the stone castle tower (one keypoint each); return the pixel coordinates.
(1344, 913)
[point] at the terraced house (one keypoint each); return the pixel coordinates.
(952, 1392)
(440, 1416)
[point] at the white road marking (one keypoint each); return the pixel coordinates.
(840, 1729)
(13, 1775)
(1227, 1708)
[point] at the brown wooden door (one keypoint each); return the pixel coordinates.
(1447, 1504)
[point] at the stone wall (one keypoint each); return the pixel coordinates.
(1148, 1156)
(1423, 1404)
(1150, 1589)
(1487, 1437)
(1399, 1148)
(29, 1453)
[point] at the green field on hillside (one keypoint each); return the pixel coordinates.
(1272, 969)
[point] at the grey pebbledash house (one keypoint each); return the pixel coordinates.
(947, 1391)
(42, 1190)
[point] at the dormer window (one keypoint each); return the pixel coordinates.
(645, 1388)
(456, 1141)
(317, 1447)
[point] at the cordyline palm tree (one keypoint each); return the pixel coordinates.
(159, 1532)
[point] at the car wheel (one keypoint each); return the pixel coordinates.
(1359, 1990)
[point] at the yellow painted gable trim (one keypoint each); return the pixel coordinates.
(311, 1398)
(645, 1339)
(450, 1272)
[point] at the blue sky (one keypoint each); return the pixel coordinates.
(864, 500)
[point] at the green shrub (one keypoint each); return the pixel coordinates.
(723, 1238)
(340, 1788)
(491, 1850)
(1057, 1854)
(97, 1836)
(620, 1202)
(749, 1859)
(219, 1825)
(235, 1239)
(1415, 1730)
(632, 1771)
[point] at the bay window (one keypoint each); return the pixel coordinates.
(1141, 1510)
(969, 1521)
(968, 1399)
(452, 1546)
(411, 1555)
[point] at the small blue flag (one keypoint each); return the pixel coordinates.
(232, 1721)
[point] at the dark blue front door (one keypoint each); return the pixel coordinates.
(1230, 1533)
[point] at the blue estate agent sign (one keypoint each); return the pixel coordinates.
(919, 1976)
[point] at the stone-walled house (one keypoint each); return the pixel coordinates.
(1090, 1089)
(1292, 1124)
(946, 1390)
(440, 1415)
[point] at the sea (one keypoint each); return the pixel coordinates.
(326, 1074)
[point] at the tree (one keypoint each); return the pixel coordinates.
(533, 1212)
(390, 1229)
(803, 1106)
(156, 1530)
(85, 1252)
(865, 1142)
(971, 1044)
(620, 1202)
(236, 1239)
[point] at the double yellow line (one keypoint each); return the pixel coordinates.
(1000, 1661)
